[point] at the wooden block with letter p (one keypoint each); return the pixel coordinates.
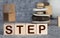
(42, 29)
(8, 29)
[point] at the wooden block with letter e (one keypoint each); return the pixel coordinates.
(30, 29)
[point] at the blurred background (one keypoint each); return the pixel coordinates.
(24, 8)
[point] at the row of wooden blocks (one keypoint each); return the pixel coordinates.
(25, 29)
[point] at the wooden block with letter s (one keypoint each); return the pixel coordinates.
(8, 29)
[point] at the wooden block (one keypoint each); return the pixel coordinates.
(49, 10)
(30, 29)
(19, 29)
(12, 17)
(58, 21)
(42, 29)
(8, 29)
(7, 8)
(9, 17)
(10, 9)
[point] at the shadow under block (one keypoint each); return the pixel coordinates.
(9, 12)
(5, 16)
